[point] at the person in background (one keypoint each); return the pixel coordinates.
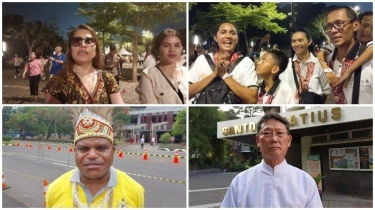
(58, 59)
(17, 64)
(34, 69)
(112, 63)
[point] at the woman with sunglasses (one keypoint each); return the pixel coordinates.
(81, 80)
(166, 82)
(304, 73)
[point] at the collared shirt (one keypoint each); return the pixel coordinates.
(283, 95)
(318, 82)
(112, 182)
(366, 80)
(262, 186)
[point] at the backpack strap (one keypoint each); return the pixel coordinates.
(210, 61)
(295, 77)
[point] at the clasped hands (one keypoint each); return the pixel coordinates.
(222, 64)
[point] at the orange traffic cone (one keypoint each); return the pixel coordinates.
(59, 148)
(39, 146)
(49, 147)
(120, 153)
(175, 159)
(145, 156)
(45, 183)
(70, 148)
(26, 144)
(4, 182)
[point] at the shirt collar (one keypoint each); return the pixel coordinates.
(310, 60)
(278, 169)
(111, 182)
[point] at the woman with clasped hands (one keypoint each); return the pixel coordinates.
(166, 82)
(242, 81)
(81, 80)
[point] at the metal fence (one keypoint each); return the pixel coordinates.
(60, 153)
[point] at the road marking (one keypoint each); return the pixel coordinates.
(155, 155)
(210, 205)
(35, 177)
(163, 179)
(63, 165)
(209, 189)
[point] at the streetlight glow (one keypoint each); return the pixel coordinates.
(196, 39)
(356, 8)
(4, 46)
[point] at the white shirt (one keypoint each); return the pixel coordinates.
(366, 83)
(149, 62)
(261, 186)
(283, 95)
(243, 73)
(318, 82)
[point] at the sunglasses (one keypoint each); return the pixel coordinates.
(78, 41)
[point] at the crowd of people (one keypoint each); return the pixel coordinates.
(227, 73)
(309, 75)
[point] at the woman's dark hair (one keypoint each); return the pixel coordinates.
(241, 46)
(97, 62)
(159, 39)
(281, 60)
(272, 115)
(311, 47)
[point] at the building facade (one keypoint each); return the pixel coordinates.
(334, 141)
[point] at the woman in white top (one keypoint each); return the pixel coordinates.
(306, 67)
(242, 81)
(166, 82)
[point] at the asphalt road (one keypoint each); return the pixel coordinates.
(164, 182)
(208, 190)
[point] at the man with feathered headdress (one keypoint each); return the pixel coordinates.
(95, 182)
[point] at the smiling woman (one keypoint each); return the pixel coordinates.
(83, 67)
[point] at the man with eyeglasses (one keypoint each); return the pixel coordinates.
(273, 183)
(58, 59)
(342, 23)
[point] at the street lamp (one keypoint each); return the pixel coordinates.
(196, 40)
(251, 43)
(356, 9)
(4, 46)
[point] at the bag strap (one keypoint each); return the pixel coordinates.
(210, 61)
(295, 76)
(179, 93)
(105, 86)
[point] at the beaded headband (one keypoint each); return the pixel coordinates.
(90, 124)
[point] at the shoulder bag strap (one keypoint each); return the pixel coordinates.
(179, 93)
(295, 77)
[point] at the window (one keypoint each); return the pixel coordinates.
(351, 158)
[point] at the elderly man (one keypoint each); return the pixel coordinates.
(273, 183)
(342, 23)
(94, 183)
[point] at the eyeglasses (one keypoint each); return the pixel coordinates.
(78, 41)
(269, 134)
(340, 24)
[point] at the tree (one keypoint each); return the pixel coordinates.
(262, 17)
(129, 18)
(318, 24)
(8, 111)
(34, 34)
(179, 126)
(165, 138)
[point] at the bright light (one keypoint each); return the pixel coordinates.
(196, 40)
(356, 8)
(4, 46)
(252, 43)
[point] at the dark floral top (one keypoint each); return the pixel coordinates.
(69, 89)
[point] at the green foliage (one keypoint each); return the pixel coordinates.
(318, 178)
(263, 17)
(165, 138)
(179, 126)
(7, 138)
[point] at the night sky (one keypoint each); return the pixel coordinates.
(64, 14)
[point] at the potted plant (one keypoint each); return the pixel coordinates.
(318, 179)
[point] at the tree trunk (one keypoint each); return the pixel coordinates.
(135, 53)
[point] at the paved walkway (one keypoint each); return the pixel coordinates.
(331, 200)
